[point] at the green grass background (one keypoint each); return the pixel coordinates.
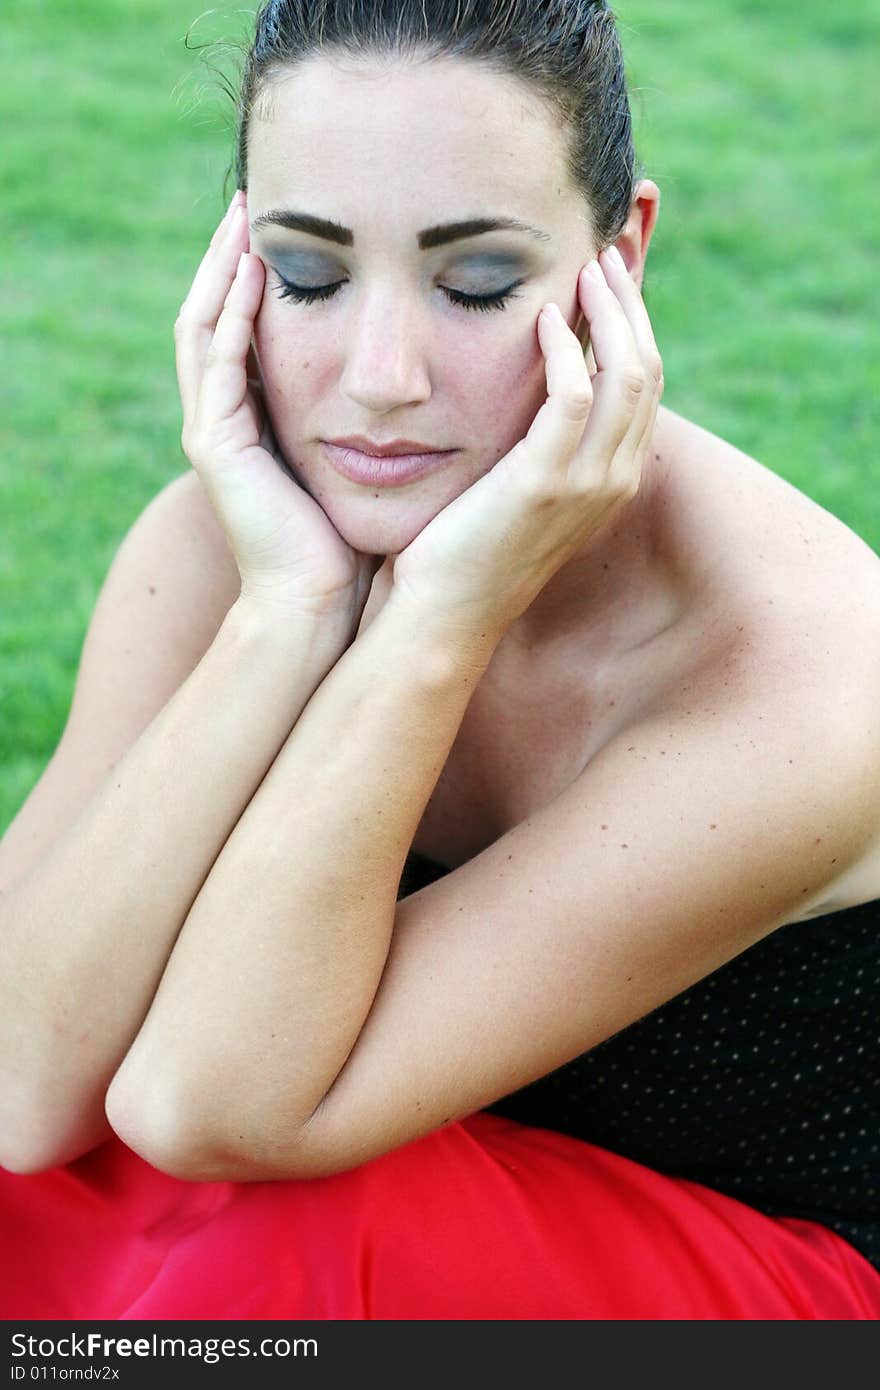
(757, 120)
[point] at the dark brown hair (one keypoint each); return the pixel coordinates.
(566, 51)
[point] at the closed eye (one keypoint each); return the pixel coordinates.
(302, 294)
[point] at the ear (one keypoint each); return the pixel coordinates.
(633, 241)
(635, 238)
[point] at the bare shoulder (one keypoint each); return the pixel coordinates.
(787, 629)
(167, 591)
(776, 573)
(758, 535)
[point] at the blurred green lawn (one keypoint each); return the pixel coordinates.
(759, 122)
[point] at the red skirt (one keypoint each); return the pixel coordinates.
(486, 1219)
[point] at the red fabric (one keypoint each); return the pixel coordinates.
(486, 1219)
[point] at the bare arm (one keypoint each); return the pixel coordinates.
(85, 935)
(96, 895)
(278, 963)
(311, 1025)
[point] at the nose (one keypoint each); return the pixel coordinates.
(385, 365)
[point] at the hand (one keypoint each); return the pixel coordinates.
(290, 556)
(484, 558)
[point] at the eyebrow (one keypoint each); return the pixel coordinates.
(427, 239)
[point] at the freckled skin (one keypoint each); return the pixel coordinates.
(388, 152)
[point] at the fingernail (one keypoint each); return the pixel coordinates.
(615, 257)
(553, 311)
(594, 270)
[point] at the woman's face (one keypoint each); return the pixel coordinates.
(388, 152)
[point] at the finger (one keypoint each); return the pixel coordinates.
(224, 222)
(620, 380)
(224, 374)
(630, 299)
(220, 233)
(557, 430)
(201, 309)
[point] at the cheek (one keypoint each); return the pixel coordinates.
(289, 357)
(500, 383)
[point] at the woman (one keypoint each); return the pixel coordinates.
(454, 583)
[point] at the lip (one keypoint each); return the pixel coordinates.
(384, 470)
(394, 448)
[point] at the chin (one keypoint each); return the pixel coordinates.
(378, 526)
(380, 521)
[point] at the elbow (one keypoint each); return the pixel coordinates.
(194, 1151)
(25, 1159)
(46, 1137)
(37, 1148)
(171, 1135)
(148, 1121)
(25, 1142)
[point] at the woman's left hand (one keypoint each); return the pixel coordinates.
(484, 558)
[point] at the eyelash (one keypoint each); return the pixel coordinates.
(301, 295)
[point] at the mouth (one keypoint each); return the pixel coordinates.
(391, 469)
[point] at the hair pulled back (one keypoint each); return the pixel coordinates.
(567, 51)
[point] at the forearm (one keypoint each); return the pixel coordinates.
(85, 936)
(277, 966)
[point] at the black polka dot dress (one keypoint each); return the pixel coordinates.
(761, 1081)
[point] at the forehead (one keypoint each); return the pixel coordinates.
(445, 130)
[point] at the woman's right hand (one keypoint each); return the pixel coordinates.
(290, 556)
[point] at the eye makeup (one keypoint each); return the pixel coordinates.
(304, 277)
(305, 294)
